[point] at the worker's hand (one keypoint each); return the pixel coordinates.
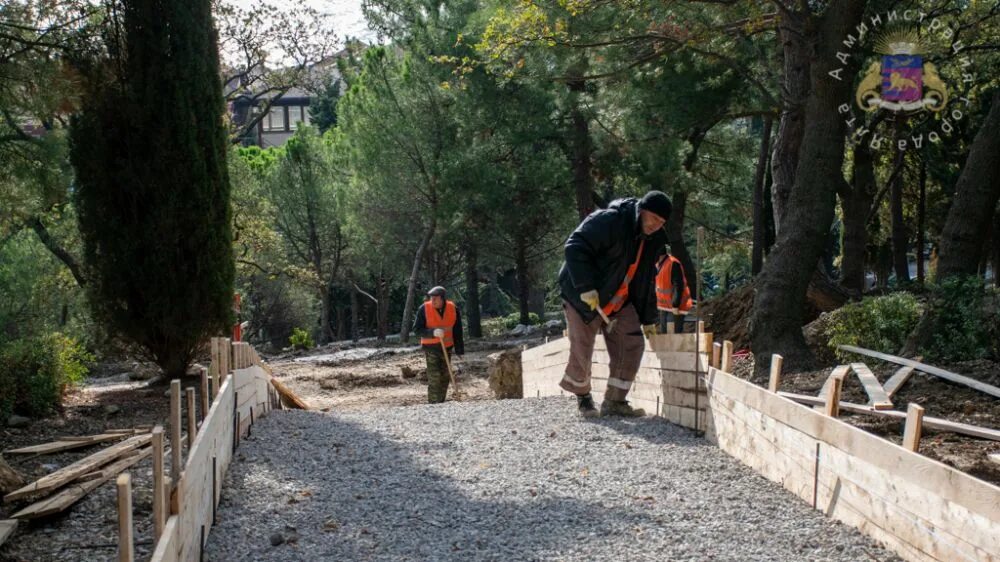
(649, 330)
(438, 332)
(592, 299)
(672, 310)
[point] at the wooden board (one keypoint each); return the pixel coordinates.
(73, 471)
(76, 491)
(929, 369)
(66, 444)
(7, 528)
(897, 380)
(877, 396)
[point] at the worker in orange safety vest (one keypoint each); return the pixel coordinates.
(673, 295)
(438, 320)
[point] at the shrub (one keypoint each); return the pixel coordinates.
(965, 318)
(301, 339)
(36, 372)
(513, 319)
(878, 323)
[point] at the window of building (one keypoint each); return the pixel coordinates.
(295, 115)
(275, 119)
(305, 115)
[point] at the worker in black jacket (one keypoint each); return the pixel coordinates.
(611, 263)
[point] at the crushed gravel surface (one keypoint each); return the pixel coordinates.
(506, 480)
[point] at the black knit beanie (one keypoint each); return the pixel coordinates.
(657, 203)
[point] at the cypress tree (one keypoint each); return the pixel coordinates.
(149, 148)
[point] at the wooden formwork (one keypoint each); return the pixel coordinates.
(919, 508)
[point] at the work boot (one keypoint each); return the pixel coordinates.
(586, 404)
(622, 408)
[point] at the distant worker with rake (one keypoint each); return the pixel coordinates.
(439, 325)
(607, 284)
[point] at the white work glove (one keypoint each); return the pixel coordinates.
(672, 310)
(438, 332)
(592, 299)
(649, 330)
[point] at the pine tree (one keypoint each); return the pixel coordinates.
(149, 149)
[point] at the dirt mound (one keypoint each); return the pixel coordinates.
(728, 316)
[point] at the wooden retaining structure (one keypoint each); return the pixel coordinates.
(241, 394)
(917, 507)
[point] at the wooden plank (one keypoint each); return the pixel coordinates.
(877, 396)
(176, 445)
(205, 399)
(289, 398)
(897, 380)
(774, 381)
(7, 528)
(838, 371)
(832, 404)
(74, 492)
(727, 356)
(66, 444)
(716, 355)
(938, 424)
(126, 536)
(167, 548)
(911, 432)
(159, 484)
(192, 421)
(929, 369)
(73, 471)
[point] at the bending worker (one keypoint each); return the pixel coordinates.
(673, 295)
(438, 320)
(611, 263)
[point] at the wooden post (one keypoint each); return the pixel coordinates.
(670, 328)
(701, 326)
(716, 354)
(224, 352)
(126, 546)
(192, 419)
(832, 408)
(727, 356)
(775, 380)
(175, 432)
(159, 491)
(214, 367)
(204, 393)
(911, 432)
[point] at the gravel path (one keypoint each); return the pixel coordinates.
(506, 480)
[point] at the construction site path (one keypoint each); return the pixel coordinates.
(506, 480)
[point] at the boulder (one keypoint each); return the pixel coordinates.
(143, 371)
(553, 327)
(18, 421)
(505, 374)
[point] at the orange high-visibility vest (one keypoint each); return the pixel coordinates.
(618, 300)
(665, 286)
(446, 322)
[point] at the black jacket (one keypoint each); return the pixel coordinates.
(599, 252)
(422, 331)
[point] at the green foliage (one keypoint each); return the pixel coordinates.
(301, 339)
(323, 107)
(36, 372)
(512, 320)
(149, 149)
(877, 323)
(966, 319)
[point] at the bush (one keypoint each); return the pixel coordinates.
(513, 319)
(35, 373)
(301, 339)
(878, 323)
(965, 321)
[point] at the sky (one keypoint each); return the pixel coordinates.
(346, 16)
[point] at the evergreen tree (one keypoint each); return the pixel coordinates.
(149, 149)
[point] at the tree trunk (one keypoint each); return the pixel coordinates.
(383, 308)
(796, 47)
(355, 317)
(900, 264)
(523, 283)
(326, 316)
(856, 200)
(57, 250)
(778, 313)
(580, 143)
(996, 249)
(341, 323)
(473, 321)
(411, 286)
(759, 223)
(976, 196)
(675, 236)
(921, 218)
(769, 233)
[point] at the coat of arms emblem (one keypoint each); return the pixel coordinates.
(901, 80)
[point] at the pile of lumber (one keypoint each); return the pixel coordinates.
(55, 492)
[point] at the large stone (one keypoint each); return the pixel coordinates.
(553, 327)
(505, 374)
(18, 421)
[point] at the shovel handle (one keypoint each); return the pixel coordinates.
(604, 316)
(447, 362)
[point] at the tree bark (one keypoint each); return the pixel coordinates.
(57, 250)
(796, 46)
(473, 320)
(921, 218)
(326, 316)
(581, 145)
(411, 286)
(523, 282)
(856, 200)
(759, 223)
(996, 249)
(900, 264)
(976, 196)
(675, 236)
(355, 317)
(778, 314)
(383, 308)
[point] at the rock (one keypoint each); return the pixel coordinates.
(408, 372)
(519, 330)
(277, 539)
(505, 374)
(143, 371)
(10, 479)
(553, 327)
(112, 409)
(194, 370)
(18, 421)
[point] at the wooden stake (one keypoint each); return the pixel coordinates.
(214, 367)
(126, 545)
(192, 418)
(914, 424)
(775, 380)
(701, 326)
(204, 393)
(727, 356)
(832, 408)
(159, 496)
(670, 328)
(175, 431)
(716, 354)
(225, 353)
